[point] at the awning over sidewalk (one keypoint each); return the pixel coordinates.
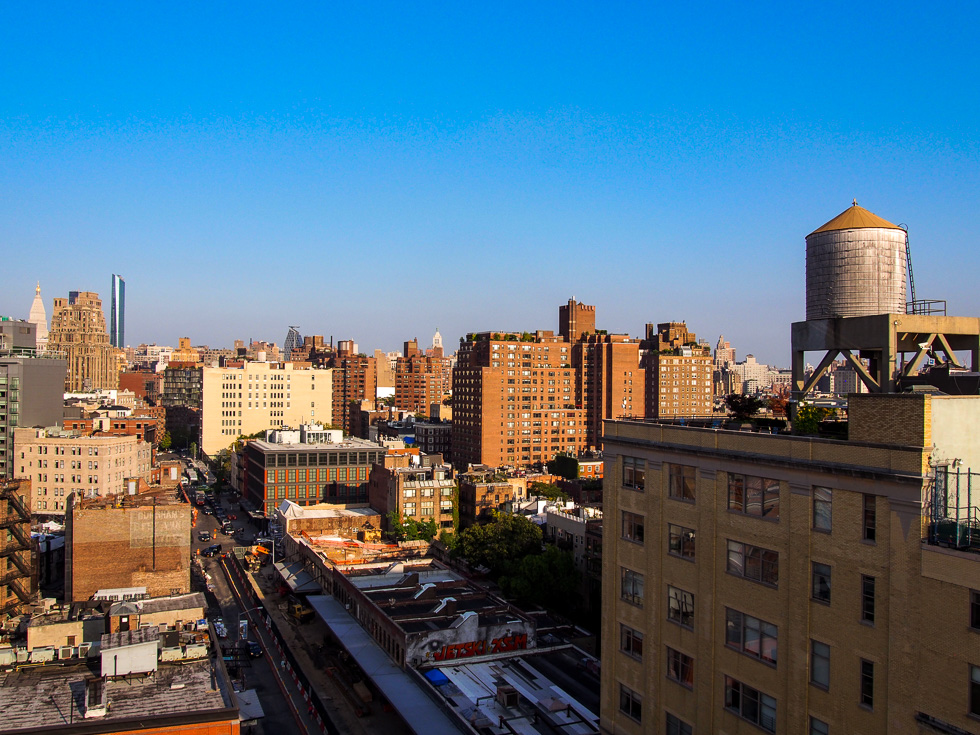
(249, 706)
(298, 579)
(414, 705)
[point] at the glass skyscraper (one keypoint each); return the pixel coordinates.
(117, 318)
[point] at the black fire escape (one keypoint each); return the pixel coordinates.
(16, 572)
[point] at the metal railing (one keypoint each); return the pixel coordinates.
(926, 307)
(952, 508)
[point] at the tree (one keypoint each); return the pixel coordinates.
(549, 579)
(547, 490)
(742, 407)
(505, 539)
(409, 529)
(165, 442)
(808, 418)
(564, 465)
(777, 404)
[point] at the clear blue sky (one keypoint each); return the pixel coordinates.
(373, 171)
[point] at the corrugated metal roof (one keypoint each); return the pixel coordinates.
(853, 218)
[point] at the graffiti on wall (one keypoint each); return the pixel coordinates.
(516, 642)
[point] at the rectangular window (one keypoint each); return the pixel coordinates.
(870, 518)
(822, 501)
(975, 690)
(633, 527)
(867, 683)
(975, 609)
(751, 636)
(632, 586)
(634, 473)
(680, 668)
(677, 726)
(630, 703)
(821, 582)
(631, 642)
(681, 481)
(820, 664)
(867, 599)
(753, 562)
(754, 496)
(680, 606)
(681, 541)
(819, 727)
(750, 704)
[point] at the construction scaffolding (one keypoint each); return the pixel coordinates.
(18, 582)
(953, 509)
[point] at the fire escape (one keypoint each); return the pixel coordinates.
(15, 548)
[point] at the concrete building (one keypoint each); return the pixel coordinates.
(39, 318)
(771, 583)
(307, 474)
(238, 401)
(421, 493)
(60, 463)
(78, 331)
(135, 541)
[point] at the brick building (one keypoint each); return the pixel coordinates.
(762, 583)
(18, 580)
(137, 541)
(420, 379)
(78, 331)
(420, 493)
(145, 385)
(609, 382)
(354, 380)
(679, 372)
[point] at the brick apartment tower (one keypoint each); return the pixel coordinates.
(574, 320)
(78, 331)
(420, 379)
(609, 382)
(679, 372)
(355, 378)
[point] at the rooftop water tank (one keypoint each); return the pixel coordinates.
(855, 266)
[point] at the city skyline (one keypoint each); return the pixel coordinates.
(252, 171)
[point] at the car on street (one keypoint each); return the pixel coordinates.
(254, 648)
(232, 517)
(204, 536)
(212, 550)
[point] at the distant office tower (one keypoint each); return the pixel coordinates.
(117, 325)
(436, 343)
(39, 318)
(78, 332)
(293, 341)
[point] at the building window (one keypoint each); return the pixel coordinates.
(633, 527)
(820, 664)
(681, 482)
(821, 582)
(819, 727)
(754, 496)
(677, 726)
(975, 690)
(870, 518)
(681, 541)
(631, 642)
(753, 562)
(751, 636)
(867, 683)
(822, 520)
(975, 609)
(630, 703)
(750, 704)
(634, 473)
(632, 586)
(680, 607)
(680, 668)
(867, 599)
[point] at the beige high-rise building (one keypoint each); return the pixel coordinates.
(240, 401)
(59, 463)
(789, 584)
(78, 331)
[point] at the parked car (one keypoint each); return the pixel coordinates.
(254, 648)
(212, 550)
(204, 536)
(232, 517)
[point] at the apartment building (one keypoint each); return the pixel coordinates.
(78, 332)
(762, 583)
(609, 382)
(679, 372)
(244, 400)
(18, 581)
(355, 379)
(422, 493)
(60, 463)
(421, 380)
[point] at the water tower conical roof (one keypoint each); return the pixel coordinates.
(855, 217)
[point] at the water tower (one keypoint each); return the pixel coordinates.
(858, 268)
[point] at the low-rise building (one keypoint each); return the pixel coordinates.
(421, 493)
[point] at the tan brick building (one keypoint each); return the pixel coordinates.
(792, 584)
(78, 332)
(609, 381)
(144, 541)
(422, 493)
(679, 373)
(62, 462)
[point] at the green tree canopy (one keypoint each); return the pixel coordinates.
(742, 407)
(549, 579)
(564, 465)
(505, 539)
(808, 418)
(409, 529)
(547, 490)
(165, 442)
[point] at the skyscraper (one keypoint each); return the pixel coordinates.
(117, 319)
(78, 332)
(293, 341)
(39, 318)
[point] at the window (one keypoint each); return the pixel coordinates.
(681, 482)
(632, 586)
(867, 683)
(750, 704)
(821, 582)
(975, 609)
(631, 642)
(681, 541)
(819, 727)
(822, 498)
(867, 599)
(751, 636)
(870, 518)
(680, 668)
(754, 496)
(753, 562)
(820, 664)
(634, 472)
(677, 726)
(680, 607)
(630, 703)
(633, 527)
(975, 690)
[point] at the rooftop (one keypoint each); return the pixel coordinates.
(853, 218)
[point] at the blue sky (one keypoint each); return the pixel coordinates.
(372, 171)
